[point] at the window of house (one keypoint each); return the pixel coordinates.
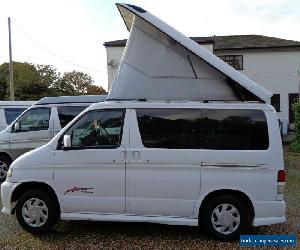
(235, 61)
(275, 102)
(68, 113)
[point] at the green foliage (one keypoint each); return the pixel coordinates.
(49, 76)
(32, 82)
(3, 80)
(295, 146)
(95, 90)
(27, 84)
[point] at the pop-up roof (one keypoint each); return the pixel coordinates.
(160, 63)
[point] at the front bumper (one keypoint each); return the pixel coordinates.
(7, 189)
(269, 212)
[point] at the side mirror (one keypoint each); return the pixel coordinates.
(17, 126)
(67, 142)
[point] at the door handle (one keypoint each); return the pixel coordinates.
(136, 155)
(123, 155)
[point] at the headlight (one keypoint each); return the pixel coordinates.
(9, 172)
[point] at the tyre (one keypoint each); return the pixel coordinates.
(225, 217)
(37, 212)
(5, 163)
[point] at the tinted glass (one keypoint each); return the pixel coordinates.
(275, 102)
(170, 128)
(35, 119)
(97, 129)
(234, 129)
(12, 113)
(68, 113)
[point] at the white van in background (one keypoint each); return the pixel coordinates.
(186, 163)
(38, 125)
(10, 110)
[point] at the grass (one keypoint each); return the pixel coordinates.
(103, 235)
(292, 188)
(295, 147)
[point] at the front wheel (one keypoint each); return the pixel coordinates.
(4, 166)
(36, 211)
(225, 217)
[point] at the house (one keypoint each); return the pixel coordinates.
(271, 62)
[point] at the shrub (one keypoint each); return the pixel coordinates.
(295, 146)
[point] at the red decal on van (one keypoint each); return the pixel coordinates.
(80, 189)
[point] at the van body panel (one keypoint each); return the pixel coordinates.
(3, 123)
(160, 181)
(92, 180)
(55, 124)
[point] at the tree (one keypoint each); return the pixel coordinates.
(95, 90)
(27, 82)
(49, 77)
(79, 83)
(32, 82)
(3, 80)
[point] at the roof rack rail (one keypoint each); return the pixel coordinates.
(72, 99)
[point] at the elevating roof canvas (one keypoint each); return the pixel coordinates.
(160, 63)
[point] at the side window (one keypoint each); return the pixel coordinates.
(12, 113)
(170, 128)
(97, 129)
(235, 130)
(68, 113)
(34, 119)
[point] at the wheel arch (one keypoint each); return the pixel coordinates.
(23, 187)
(236, 193)
(6, 154)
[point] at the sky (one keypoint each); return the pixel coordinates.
(69, 34)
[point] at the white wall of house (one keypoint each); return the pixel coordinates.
(114, 56)
(275, 70)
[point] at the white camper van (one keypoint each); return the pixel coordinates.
(10, 110)
(38, 125)
(148, 155)
(220, 166)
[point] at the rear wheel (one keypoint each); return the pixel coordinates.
(4, 166)
(225, 217)
(37, 212)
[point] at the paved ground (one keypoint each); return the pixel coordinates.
(98, 235)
